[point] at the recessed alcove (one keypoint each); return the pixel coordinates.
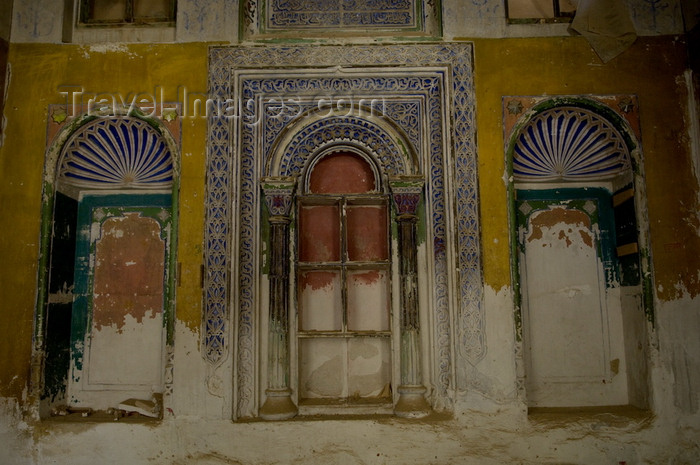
(579, 260)
(105, 313)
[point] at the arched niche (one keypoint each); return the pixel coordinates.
(580, 256)
(105, 309)
(430, 105)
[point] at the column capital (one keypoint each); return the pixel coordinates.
(279, 193)
(406, 191)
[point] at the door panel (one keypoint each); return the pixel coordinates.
(565, 305)
(118, 331)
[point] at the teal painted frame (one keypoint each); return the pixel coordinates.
(148, 205)
(575, 198)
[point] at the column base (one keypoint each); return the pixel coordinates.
(412, 402)
(278, 405)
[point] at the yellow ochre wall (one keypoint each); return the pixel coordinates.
(37, 73)
(652, 69)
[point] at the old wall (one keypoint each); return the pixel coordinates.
(489, 424)
(5, 25)
(567, 66)
(43, 72)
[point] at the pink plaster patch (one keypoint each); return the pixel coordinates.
(129, 270)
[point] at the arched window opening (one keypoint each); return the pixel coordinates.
(343, 329)
(342, 173)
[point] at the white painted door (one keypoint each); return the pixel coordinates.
(565, 311)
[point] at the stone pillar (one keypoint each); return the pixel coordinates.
(278, 192)
(406, 192)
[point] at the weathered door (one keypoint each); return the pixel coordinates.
(118, 327)
(566, 321)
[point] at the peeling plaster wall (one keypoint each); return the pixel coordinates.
(490, 424)
(679, 327)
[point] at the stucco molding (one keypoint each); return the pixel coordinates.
(440, 79)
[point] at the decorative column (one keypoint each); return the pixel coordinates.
(406, 192)
(278, 192)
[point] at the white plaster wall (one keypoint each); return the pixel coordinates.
(37, 21)
(207, 20)
(492, 383)
(490, 424)
(199, 391)
(677, 362)
(15, 434)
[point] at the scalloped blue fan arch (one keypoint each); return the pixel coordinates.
(569, 143)
(117, 153)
